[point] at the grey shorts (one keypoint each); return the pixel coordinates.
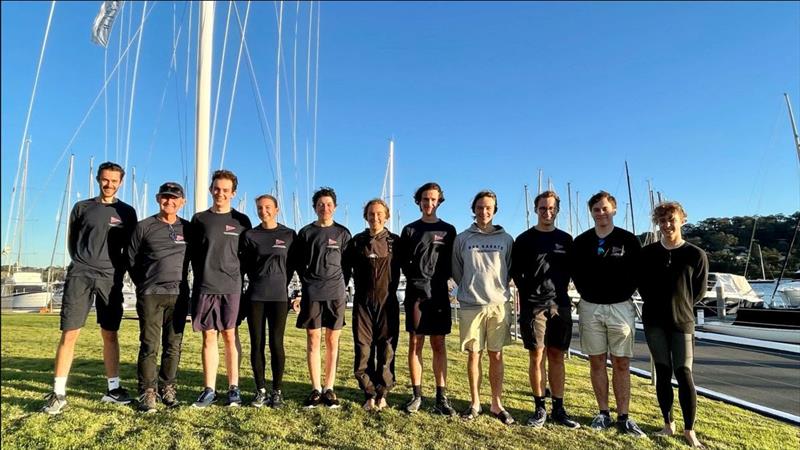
(324, 314)
(81, 292)
(215, 312)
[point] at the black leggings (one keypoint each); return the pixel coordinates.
(273, 315)
(673, 352)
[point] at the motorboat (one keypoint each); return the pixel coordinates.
(25, 291)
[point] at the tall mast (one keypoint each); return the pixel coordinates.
(61, 213)
(540, 183)
(21, 213)
(68, 197)
(569, 205)
(391, 182)
(630, 198)
(750, 247)
(527, 211)
(91, 177)
(203, 117)
(794, 126)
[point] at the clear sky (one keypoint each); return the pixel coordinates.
(477, 95)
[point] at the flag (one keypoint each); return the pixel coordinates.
(103, 22)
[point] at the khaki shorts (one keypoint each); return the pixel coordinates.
(607, 328)
(486, 327)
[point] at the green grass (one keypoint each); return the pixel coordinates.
(28, 346)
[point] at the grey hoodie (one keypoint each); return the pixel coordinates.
(481, 263)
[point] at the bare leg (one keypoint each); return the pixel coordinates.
(535, 371)
(210, 358)
(331, 355)
(65, 352)
(556, 375)
(110, 352)
(543, 369)
(474, 371)
(439, 360)
(415, 345)
(230, 340)
(599, 375)
(621, 378)
(496, 380)
(313, 358)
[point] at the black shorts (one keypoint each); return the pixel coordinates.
(81, 292)
(215, 312)
(541, 329)
(434, 316)
(325, 314)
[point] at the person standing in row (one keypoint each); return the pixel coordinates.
(215, 243)
(541, 271)
(269, 257)
(376, 312)
(427, 246)
(159, 265)
(673, 277)
(322, 304)
(98, 234)
(604, 274)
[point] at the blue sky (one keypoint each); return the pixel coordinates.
(477, 95)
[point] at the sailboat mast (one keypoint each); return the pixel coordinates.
(630, 198)
(750, 247)
(527, 210)
(203, 116)
(794, 126)
(569, 206)
(761, 257)
(91, 177)
(68, 197)
(391, 183)
(21, 214)
(64, 203)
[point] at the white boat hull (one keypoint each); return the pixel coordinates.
(764, 334)
(30, 301)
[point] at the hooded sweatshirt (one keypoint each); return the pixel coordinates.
(481, 263)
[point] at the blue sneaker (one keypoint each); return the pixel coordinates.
(234, 396)
(207, 397)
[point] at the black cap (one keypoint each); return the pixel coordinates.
(172, 189)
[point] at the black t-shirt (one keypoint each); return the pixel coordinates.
(671, 282)
(214, 246)
(323, 273)
(540, 266)
(376, 269)
(269, 257)
(604, 270)
(158, 259)
(427, 258)
(98, 238)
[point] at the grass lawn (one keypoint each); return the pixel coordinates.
(28, 346)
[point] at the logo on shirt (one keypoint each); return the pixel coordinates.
(559, 249)
(438, 239)
(229, 230)
(487, 248)
(332, 243)
(115, 222)
(616, 252)
(279, 244)
(178, 239)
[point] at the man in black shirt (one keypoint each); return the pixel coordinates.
(540, 269)
(322, 305)
(428, 247)
(99, 231)
(159, 264)
(604, 273)
(215, 244)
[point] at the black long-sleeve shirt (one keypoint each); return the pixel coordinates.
(98, 238)
(215, 245)
(604, 270)
(670, 283)
(376, 267)
(323, 272)
(269, 257)
(427, 258)
(159, 262)
(540, 266)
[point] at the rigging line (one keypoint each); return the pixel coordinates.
(181, 129)
(283, 69)
(294, 90)
(28, 116)
(116, 83)
(278, 180)
(219, 80)
(308, 52)
(133, 91)
(233, 88)
(105, 105)
(128, 39)
(188, 50)
(91, 107)
(259, 100)
(316, 99)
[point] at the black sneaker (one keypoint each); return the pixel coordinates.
(313, 400)
(561, 417)
(119, 396)
(55, 403)
(601, 422)
(276, 399)
(628, 426)
(207, 397)
(169, 396)
(413, 405)
(147, 401)
(329, 399)
(443, 407)
(538, 418)
(234, 397)
(260, 398)
(471, 413)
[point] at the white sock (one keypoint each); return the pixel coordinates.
(60, 385)
(113, 383)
